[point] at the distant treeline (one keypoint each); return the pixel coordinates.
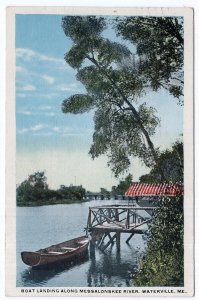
(35, 191)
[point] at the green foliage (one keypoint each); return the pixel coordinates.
(75, 56)
(159, 47)
(121, 130)
(123, 185)
(171, 162)
(163, 264)
(118, 135)
(34, 191)
(78, 103)
(104, 193)
(71, 192)
(78, 27)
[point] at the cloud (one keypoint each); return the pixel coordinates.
(20, 69)
(48, 79)
(27, 87)
(25, 112)
(37, 72)
(45, 95)
(50, 58)
(62, 131)
(56, 128)
(43, 133)
(72, 87)
(21, 95)
(23, 130)
(45, 107)
(50, 114)
(28, 54)
(74, 132)
(38, 112)
(37, 127)
(24, 53)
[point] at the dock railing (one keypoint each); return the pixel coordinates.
(124, 216)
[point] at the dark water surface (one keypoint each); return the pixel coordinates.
(39, 227)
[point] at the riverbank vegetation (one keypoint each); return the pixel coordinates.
(163, 262)
(122, 186)
(34, 191)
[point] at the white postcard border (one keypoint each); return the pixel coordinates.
(11, 289)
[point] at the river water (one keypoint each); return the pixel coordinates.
(42, 226)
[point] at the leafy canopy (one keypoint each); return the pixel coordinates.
(123, 127)
(159, 49)
(32, 189)
(172, 163)
(123, 185)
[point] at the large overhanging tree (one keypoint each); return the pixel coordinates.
(121, 130)
(114, 85)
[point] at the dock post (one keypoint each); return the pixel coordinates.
(127, 241)
(89, 224)
(118, 241)
(92, 247)
(117, 218)
(127, 219)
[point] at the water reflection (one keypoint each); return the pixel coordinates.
(39, 276)
(110, 268)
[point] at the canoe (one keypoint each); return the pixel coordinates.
(66, 251)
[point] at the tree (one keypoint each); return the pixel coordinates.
(159, 46)
(71, 192)
(33, 189)
(123, 128)
(104, 193)
(172, 164)
(123, 186)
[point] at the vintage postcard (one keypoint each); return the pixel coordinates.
(99, 152)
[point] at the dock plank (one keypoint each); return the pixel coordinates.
(114, 228)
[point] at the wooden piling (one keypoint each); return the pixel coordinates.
(132, 234)
(101, 240)
(118, 241)
(109, 242)
(92, 248)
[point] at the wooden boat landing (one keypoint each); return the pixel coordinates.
(117, 219)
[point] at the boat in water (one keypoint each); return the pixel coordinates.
(66, 251)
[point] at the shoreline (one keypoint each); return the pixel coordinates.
(53, 202)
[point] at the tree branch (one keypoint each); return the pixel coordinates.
(134, 111)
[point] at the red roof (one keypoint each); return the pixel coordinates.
(155, 189)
